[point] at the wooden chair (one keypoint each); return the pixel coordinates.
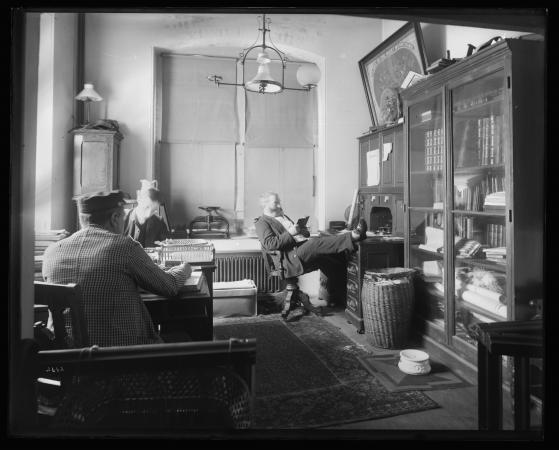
(64, 303)
(154, 388)
(294, 296)
(206, 384)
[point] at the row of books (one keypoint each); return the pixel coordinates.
(489, 143)
(497, 254)
(434, 149)
(496, 235)
(471, 194)
(490, 234)
(495, 202)
(478, 142)
(466, 227)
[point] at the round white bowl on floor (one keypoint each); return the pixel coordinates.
(414, 362)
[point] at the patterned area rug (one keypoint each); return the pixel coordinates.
(308, 375)
(385, 369)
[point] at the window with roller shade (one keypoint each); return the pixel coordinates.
(280, 137)
(199, 133)
(200, 157)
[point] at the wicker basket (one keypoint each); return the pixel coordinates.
(387, 298)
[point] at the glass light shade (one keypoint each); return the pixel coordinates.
(263, 81)
(308, 75)
(88, 94)
(263, 57)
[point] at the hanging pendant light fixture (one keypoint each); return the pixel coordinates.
(308, 75)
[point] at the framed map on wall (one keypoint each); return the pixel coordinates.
(384, 69)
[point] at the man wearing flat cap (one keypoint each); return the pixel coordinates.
(109, 267)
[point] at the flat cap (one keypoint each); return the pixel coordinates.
(100, 201)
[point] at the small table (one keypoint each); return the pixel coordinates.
(190, 310)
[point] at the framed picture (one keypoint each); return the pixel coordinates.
(384, 69)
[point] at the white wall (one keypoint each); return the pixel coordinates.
(119, 61)
(55, 117)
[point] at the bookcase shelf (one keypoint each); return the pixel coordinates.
(498, 168)
(477, 110)
(473, 104)
(465, 212)
(483, 263)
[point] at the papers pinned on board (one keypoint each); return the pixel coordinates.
(373, 168)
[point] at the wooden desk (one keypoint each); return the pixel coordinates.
(520, 339)
(190, 311)
(372, 253)
(208, 269)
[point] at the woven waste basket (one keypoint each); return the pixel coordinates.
(387, 298)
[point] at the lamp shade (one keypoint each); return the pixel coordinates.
(308, 75)
(263, 82)
(88, 94)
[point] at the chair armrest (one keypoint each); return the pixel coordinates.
(168, 355)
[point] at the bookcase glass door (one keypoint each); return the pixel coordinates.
(426, 153)
(479, 203)
(426, 204)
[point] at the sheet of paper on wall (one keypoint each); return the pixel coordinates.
(386, 150)
(373, 172)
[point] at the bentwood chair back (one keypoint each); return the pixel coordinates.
(64, 303)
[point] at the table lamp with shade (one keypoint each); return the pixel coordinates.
(88, 95)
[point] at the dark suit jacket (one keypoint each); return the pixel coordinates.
(153, 229)
(273, 236)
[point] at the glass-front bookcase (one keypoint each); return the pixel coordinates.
(479, 202)
(473, 194)
(426, 204)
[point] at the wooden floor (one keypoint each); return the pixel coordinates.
(458, 409)
(458, 406)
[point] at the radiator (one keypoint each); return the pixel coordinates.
(245, 266)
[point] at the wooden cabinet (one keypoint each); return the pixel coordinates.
(381, 154)
(474, 154)
(381, 179)
(96, 160)
(372, 253)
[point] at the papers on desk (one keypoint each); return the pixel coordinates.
(194, 283)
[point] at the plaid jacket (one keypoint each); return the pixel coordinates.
(109, 268)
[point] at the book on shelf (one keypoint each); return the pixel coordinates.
(494, 202)
(484, 302)
(468, 248)
(434, 148)
(411, 78)
(489, 143)
(496, 254)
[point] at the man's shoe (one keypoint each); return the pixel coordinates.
(361, 228)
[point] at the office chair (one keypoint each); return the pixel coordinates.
(294, 296)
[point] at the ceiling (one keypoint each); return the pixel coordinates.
(532, 20)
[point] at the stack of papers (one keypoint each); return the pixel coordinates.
(496, 200)
(498, 254)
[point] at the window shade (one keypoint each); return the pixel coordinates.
(194, 109)
(286, 119)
